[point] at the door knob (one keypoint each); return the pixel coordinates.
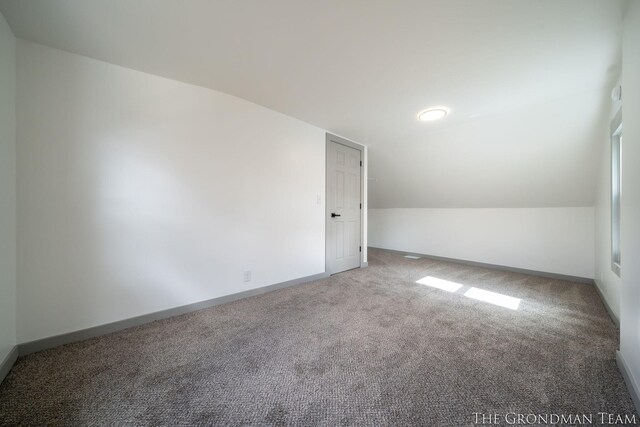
(333, 215)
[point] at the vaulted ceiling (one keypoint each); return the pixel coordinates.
(527, 81)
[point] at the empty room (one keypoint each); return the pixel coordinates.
(319, 213)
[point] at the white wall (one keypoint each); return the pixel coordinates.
(538, 155)
(137, 193)
(7, 190)
(630, 200)
(553, 240)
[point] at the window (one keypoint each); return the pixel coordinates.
(616, 190)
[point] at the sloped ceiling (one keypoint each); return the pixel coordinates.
(526, 80)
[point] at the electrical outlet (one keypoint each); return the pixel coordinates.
(247, 275)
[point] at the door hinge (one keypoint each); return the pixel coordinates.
(360, 163)
(360, 248)
(360, 205)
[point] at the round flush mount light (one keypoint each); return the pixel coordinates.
(434, 113)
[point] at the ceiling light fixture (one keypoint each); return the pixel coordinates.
(434, 113)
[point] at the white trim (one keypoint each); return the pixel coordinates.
(616, 149)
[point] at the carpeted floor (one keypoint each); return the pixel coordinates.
(366, 347)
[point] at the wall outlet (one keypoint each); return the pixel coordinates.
(247, 275)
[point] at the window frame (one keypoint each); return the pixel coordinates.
(616, 190)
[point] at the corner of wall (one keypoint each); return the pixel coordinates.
(612, 314)
(8, 200)
(632, 385)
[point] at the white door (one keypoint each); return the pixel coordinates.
(343, 207)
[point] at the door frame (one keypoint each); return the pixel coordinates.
(338, 140)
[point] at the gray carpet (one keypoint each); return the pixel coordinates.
(366, 347)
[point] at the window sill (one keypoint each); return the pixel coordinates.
(615, 267)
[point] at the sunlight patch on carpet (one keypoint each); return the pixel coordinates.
(493, 298)
(445, 285)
